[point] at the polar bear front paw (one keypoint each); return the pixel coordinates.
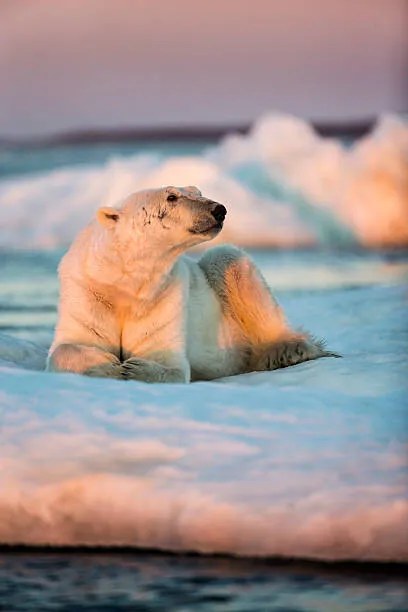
(107, 370)
(145, 370)
(83, 359)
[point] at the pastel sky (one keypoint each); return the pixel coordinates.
(72, 64)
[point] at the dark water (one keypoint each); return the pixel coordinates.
(145, 581)
(17, 161)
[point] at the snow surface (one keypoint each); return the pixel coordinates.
(310, 461)
(282, 183)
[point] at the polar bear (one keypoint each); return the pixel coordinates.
(132, 306)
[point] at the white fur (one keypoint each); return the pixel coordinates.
(133, 307)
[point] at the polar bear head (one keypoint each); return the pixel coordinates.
(163, 219)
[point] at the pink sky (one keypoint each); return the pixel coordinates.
(71, 64)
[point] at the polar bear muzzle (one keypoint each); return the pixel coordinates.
(211, 222)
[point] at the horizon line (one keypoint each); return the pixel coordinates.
(79, 136)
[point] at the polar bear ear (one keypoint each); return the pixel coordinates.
(193, 190)
(108, 216)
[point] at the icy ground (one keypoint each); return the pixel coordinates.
(310, 461)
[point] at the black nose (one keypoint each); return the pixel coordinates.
(219, 213)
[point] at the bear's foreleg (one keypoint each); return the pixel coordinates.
(82, 359)
(146, 370)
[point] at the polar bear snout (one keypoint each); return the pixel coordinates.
(205, 216)
(219, 213)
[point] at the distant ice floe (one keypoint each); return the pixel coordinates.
(358, 193)
(284, 186)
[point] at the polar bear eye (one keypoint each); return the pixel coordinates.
(172, 197)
